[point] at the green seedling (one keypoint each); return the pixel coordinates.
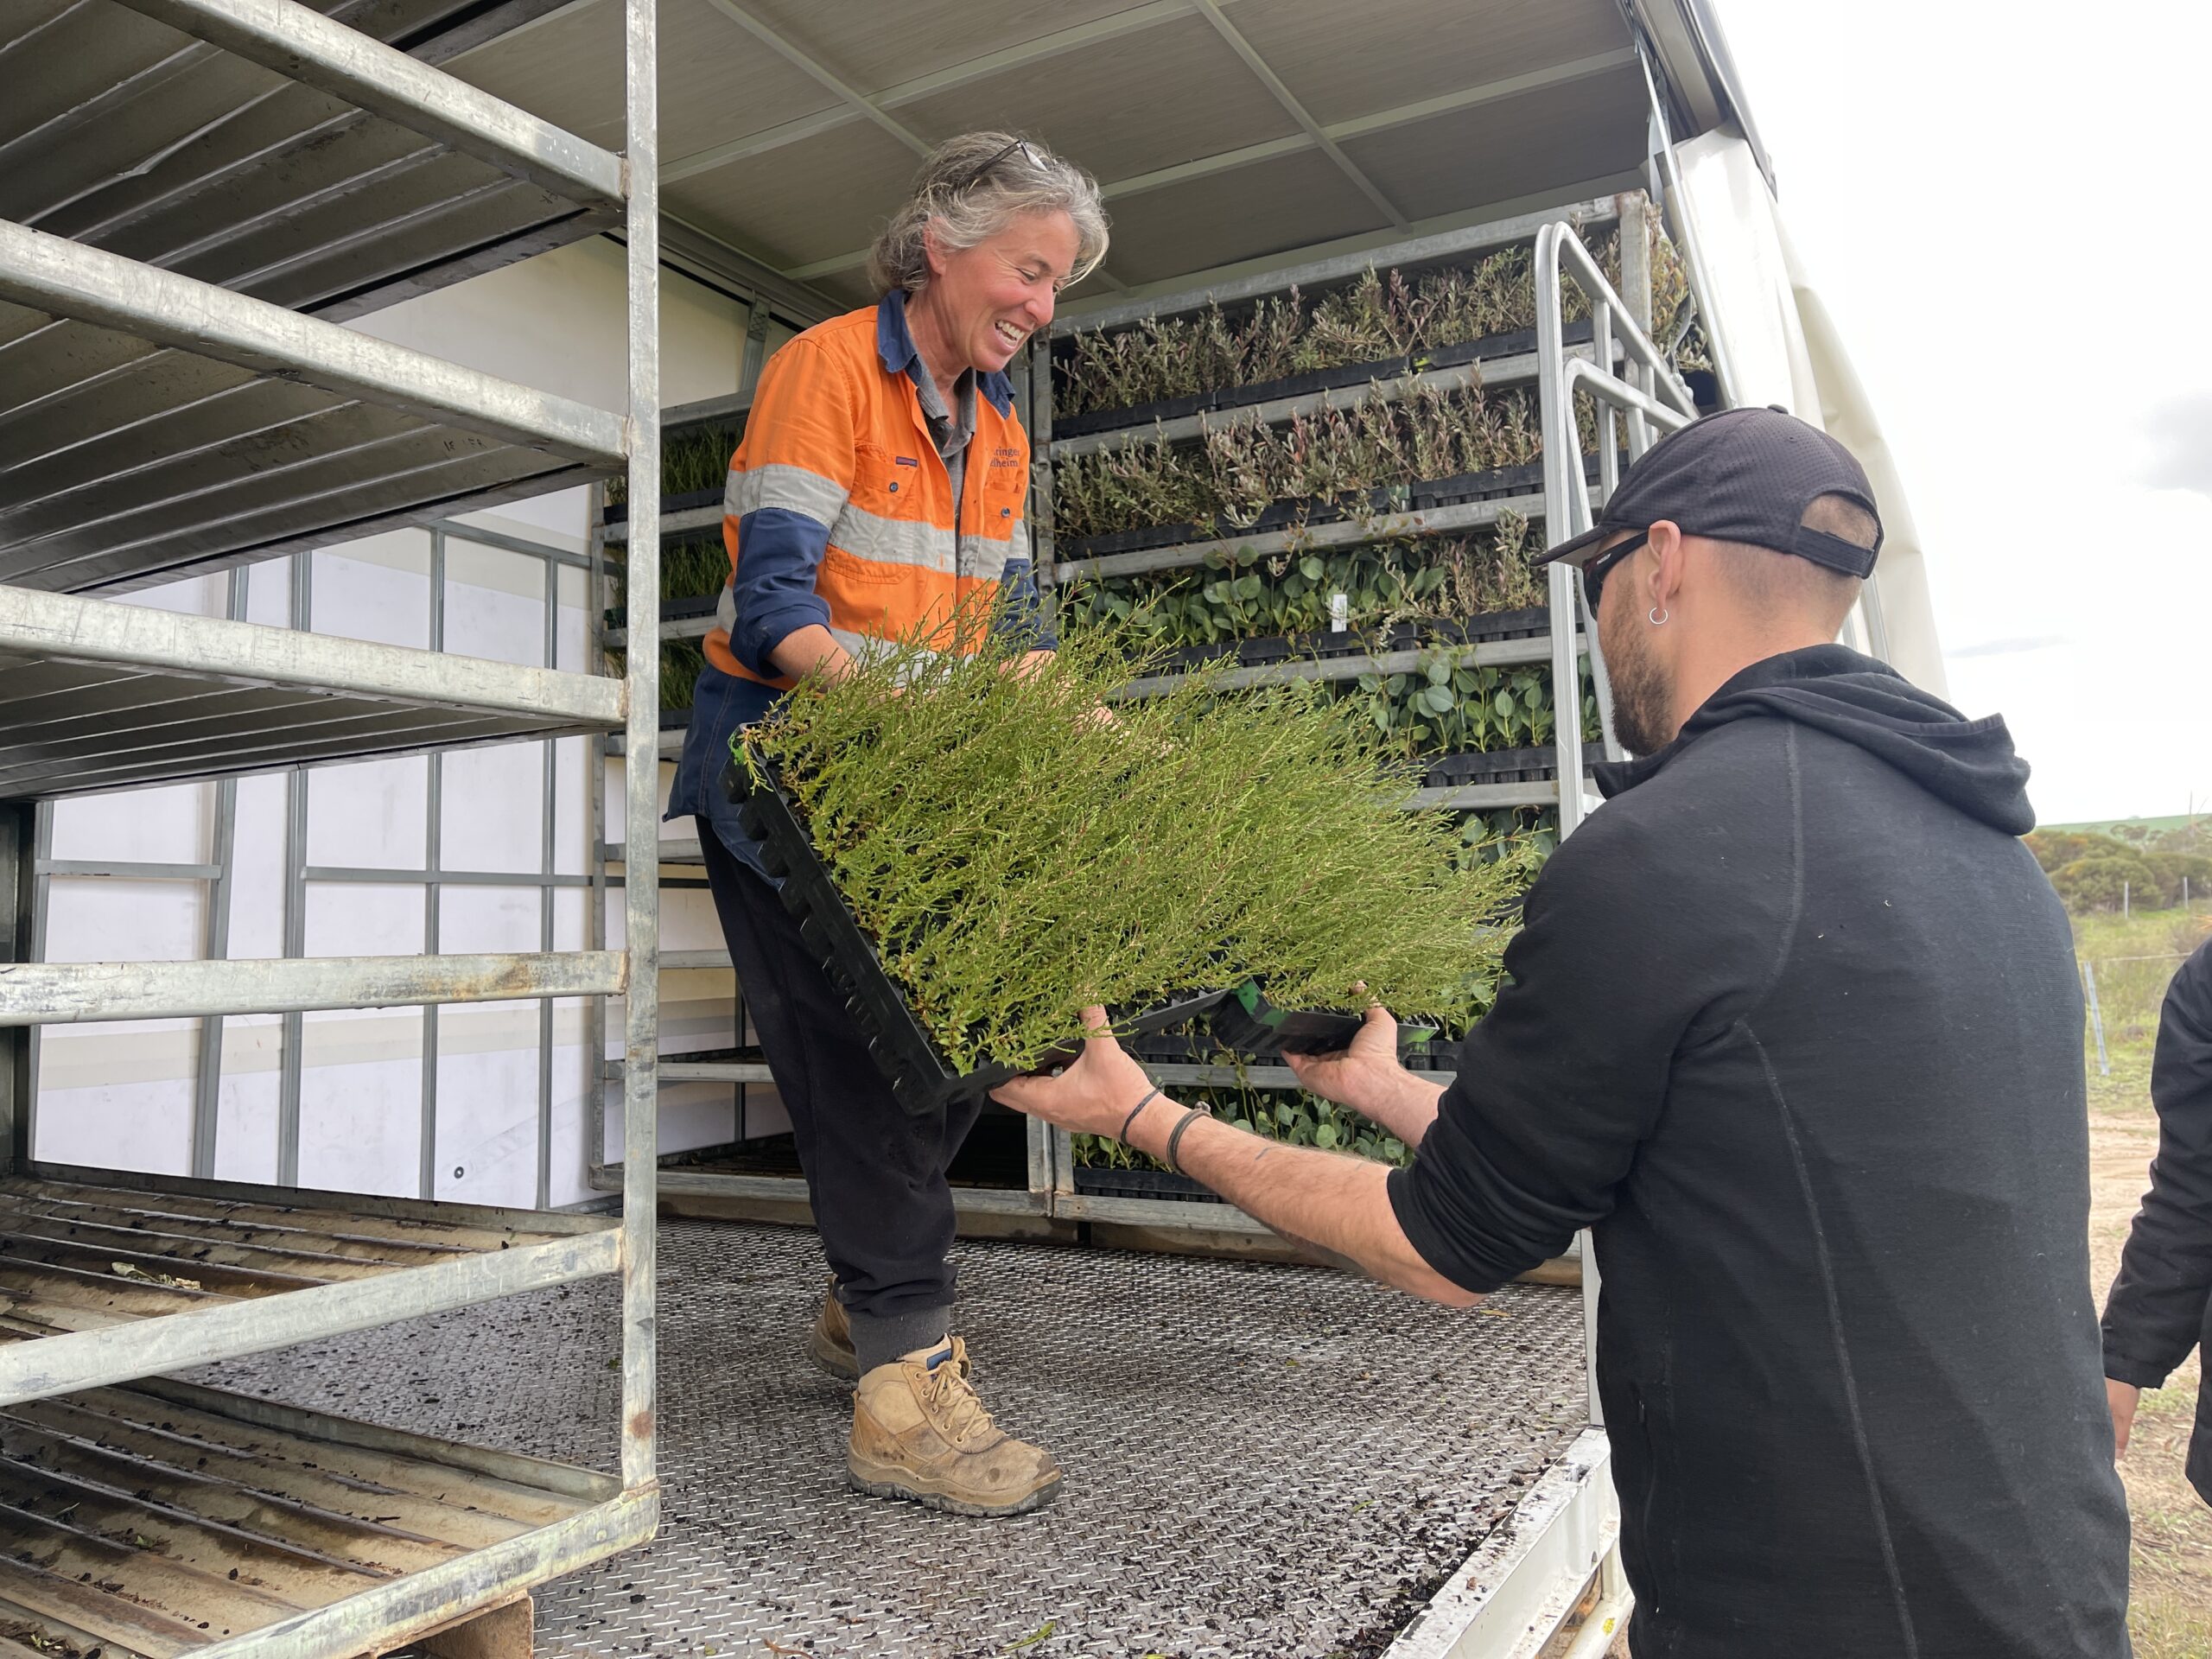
(1374, 317)
(695, 458)
(1243, 595)
(1240, 466)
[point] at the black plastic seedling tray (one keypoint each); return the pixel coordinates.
(1246, 1021)
(922, 1079)
(1417, 1046)
(1442, 633)
(1426, 495)
(1227, 399)
(1503, 765)
(1143, 1184)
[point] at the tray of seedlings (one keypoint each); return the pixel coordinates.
(1497, 766)
(1258, 651)
(921, 1076)
(1379, 326)
(1388, 594)
(694, 471)
(975, 856)
(694, 569)
(1382, 454)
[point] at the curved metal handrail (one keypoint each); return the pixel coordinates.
(1650, 395)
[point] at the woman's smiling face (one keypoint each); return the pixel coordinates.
(985, 301)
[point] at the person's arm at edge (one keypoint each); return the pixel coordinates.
(1338, 1205)
(2156, 1306)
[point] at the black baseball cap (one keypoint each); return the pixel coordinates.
(1742, 475)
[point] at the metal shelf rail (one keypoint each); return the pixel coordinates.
(114, 1276)
(227, 160)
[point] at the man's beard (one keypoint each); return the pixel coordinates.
(1644, 693)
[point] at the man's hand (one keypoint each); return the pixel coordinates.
(1368, 1078)
(1092, 1097)
(1365, 1071)
(2122, 1398)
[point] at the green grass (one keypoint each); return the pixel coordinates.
(2132, 958)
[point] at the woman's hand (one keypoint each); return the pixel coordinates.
(1093, 1096)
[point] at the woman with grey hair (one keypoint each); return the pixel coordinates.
(879, 483)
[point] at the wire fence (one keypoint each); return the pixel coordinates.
(2132, 993)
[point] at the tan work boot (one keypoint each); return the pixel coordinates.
(830, 1343)
(921, 1433)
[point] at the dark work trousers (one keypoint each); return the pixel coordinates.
(875, 1171)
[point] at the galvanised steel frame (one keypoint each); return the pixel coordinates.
(218, 875)
(451, 699)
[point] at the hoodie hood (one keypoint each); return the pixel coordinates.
(1967, 764)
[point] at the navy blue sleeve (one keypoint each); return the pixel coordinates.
(1020, 612)
(773, 588)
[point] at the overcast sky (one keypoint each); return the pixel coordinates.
(2002, 207)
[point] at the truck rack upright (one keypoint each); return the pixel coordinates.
(200, 189)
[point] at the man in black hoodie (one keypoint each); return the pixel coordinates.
(1792, 1025)
(2161, 1304)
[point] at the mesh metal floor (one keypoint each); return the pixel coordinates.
(1260, 1460)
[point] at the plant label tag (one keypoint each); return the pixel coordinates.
(1340, 613)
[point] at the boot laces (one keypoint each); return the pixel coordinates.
(954, 1402)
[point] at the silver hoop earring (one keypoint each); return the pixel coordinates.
(1657, 617)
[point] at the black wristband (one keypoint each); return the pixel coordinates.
(1130, 1121)
(1191, 1115)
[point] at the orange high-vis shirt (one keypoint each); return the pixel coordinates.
(840, 510)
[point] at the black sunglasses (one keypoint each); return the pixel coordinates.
(984, 172)
(1595, 572)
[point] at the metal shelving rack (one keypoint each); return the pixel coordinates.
(1651, 394)
(253, 429)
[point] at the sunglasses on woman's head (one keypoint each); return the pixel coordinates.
(984, 172)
